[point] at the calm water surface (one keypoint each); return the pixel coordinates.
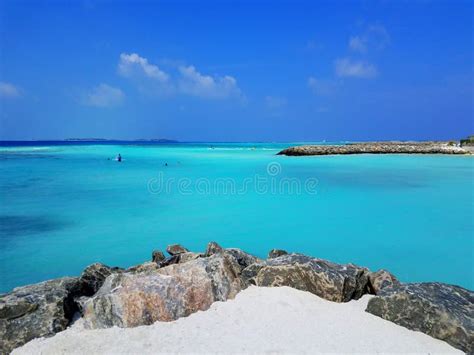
(66, 206)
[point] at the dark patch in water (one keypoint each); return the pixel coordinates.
(26, 225)
(22, 183)
(15, 156)
(14, 186)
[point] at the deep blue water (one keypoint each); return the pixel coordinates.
(66, 205)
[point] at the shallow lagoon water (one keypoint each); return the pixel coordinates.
(66, 206)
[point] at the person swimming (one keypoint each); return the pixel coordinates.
(119, 158)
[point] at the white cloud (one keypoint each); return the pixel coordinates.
(355, 69)
(374, 36)
(358, 44)
(104, 95)
(321, 86)
(8, 90)
(131, 65)
(275, 102)
(180, 79)
(192, 82)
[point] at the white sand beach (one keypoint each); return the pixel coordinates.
(258, 320)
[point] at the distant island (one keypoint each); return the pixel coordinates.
(153, 140)
(389, 147)
(86, 140)
(159, 140)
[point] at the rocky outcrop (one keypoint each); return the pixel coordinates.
(275, 253)
(94, 276)
(129, 300)
(377, 148)
(334, 282)
(37, 310)
(443, 311)
(179, 259)
(380, 280)
(185, 257)
(213, 248)
(166, 289)
(148, 266)
(176, 249)
(157, 256)
(243, 259)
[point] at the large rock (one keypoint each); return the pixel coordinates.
(38, 310)
(130, 300)
(213, 248)
(175, 249)
(243, 259)
(157, 256)
(334, 282)
(145, 267)
(443, 311)
(185, 257)
(179, 259)
(275, 253)
(382, 279)
(94, 276)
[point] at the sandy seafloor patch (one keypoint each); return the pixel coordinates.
(258, 320)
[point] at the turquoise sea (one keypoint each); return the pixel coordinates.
(66, 206)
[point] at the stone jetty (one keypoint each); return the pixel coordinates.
(378, 148)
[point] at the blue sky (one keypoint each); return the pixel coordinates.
(236, 71)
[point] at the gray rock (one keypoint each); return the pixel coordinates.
(129, 300)
(380, 280)
(38, 310)
(334, 282)
(80, 301)
(175, 249)
(169, 261)
(275, 253)
(179, 259)
(148, 266)
(94, 276)
(443, 311)
(185, 257)
(243, 259)
(213, 248)
(17, 309)
(157, 256)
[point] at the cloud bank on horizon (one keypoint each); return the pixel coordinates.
(328, 73)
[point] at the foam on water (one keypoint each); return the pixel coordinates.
(64, 207)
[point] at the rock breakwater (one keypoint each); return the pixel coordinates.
(168, 288)
(377, 148)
